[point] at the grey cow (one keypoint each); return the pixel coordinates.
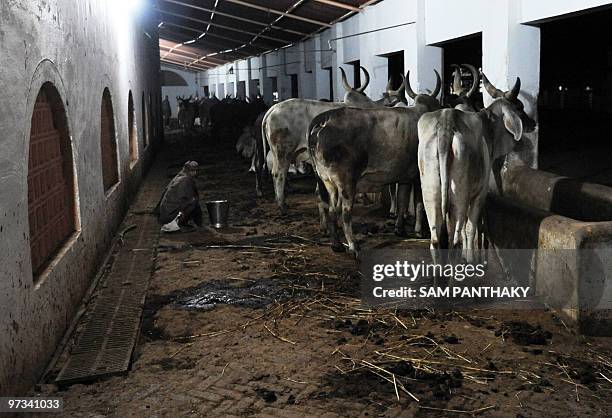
(456, 151)
(285, 132)
(250, 145)
(362, 150)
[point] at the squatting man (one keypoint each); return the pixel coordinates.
(180, 201)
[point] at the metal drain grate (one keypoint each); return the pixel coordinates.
(110, 329)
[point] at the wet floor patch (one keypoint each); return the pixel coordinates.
(251, 294)
(245, 293)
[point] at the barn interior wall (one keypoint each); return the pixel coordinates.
(82, 47)
(185, 91)
(511, 48)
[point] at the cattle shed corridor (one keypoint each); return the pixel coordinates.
(311, 119)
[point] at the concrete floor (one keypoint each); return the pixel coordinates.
(263, 319)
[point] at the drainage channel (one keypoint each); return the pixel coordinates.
(110, 329)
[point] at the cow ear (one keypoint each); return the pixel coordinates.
(298, 152)
(513, 123)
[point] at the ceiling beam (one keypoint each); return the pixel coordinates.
(178, 54)
(278, 12)
(208, 22)
(339, 5)
(191, 55)
(243, 19)
(178, 67)
(214, 35)
(184, 64)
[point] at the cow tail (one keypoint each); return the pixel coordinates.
(313, 139)
(264, 140)
(445, 137)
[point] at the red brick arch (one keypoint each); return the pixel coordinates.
(51, 190)
(132, 131)
(108, 142)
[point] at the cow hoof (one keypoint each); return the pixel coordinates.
(419, 234)
(400, 232)
(259, 194)
(338, 248)
(283, 210)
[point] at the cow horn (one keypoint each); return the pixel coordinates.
(513, 94)
(493, 91)
(366, 82)
(438, 85)
(389, 85)
(457, 87)
(407, 86)
(476, 81)
(402, 87)
(345, 83)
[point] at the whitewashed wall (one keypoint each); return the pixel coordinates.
(511, 46)
(173, 91)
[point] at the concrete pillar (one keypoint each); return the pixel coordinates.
(512, 50)
(428, 58)
(337, 60)
(306, 77)
(321, 75)
(377, 66)
(265, 81)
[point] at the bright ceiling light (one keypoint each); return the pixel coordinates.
(129, 6)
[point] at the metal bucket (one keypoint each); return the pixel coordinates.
(217, 212)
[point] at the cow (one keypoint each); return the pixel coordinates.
(460, 98)
(204, 106)
(362, 150)
(230, 116)
(356, 96)
(187, 113)
(285, 129)
(456, 152)
(250, 146)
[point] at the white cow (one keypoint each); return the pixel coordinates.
(455, 154)
(285, 129)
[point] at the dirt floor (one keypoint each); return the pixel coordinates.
(262, 318)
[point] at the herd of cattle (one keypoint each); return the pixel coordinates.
(227, 117)
(442, 154)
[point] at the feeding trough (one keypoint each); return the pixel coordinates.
(217, 212)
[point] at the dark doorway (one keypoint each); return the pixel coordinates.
(575, 111)
(467, 50)
(294, 86)
(356, 73)
(395, 70)
(206, 91)
(331, 83)
(274, 88)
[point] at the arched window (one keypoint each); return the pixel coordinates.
(108, 142)
(150, 116)
(51, 189)
(145, 121)
(132, 132)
